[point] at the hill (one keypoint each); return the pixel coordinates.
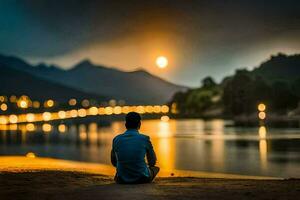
(19, 83)
(137, 87)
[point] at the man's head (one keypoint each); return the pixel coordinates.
(133, 120)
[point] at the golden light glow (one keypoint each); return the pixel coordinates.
(85, 103)
(108, 110)
(263, 151)
(93, 110)
(261, 107)
(161, 61)
(101, 111)
(23, 104)
(36, 104)
(262, 131)
(50, 103)
(3, 107)
(13, 119)
(30, 155)
(47, 127)
(61, 114)
(62, 128)
(72, 102)
(3, 120)
(157, 109)
(2, 98)
(82, 112)
(262, 115)
(149, 109)
(47, 116)
(30, 117)
(112, 102)
(174, 108)
(140, 109)
(117, 110)
(13, 99)
(30, 127)
(165, 118)
(73, 113)
(125, 109)
(165, 109)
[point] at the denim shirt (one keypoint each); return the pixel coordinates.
(128, 155)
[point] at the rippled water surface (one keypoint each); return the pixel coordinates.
(180, 144)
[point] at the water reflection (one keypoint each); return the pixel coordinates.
(179, 144)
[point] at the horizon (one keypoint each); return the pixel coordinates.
(95, 64)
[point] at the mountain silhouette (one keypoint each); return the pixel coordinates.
(137, 87)
(16, 82)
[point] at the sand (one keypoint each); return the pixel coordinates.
(43, 178)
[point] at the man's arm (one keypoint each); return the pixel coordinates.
(113, 157)
(151, 157)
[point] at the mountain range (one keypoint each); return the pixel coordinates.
(84, 80)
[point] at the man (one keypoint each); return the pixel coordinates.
(129, 151)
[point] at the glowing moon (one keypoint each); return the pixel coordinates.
(161, 62)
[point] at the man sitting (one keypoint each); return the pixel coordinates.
(128, 154)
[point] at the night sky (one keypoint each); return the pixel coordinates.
(200, 38)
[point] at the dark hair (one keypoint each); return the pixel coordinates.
(133, 120)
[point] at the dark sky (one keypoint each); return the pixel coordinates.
(200, 38)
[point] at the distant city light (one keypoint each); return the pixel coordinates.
(157, 109)
(262, 115)
(36, 104)
(3, 107)
(261, 107)
(72, 102)
(101, 111)
(85, 103)
(47, 116)
(50, 103)
(30, 117)
(140, 109)
(62, 128)
(30, 155)
(149, 109)
(165, 109)
(112, 102)
(3, 120)
(13, 99)
(2, 98)
(165, 118)
(73, 113)
(82, 112)
(13, 119)
(108, 110)
(125, 109)
(30, 127)
(23, 104)
(93, 110)
(46, 127)
(61, 114)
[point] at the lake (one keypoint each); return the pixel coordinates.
(190, 144)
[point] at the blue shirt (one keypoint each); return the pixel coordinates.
(128, 155)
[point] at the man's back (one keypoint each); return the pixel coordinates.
(128, 155)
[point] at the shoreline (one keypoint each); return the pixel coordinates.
(47, 179)
(23, 164)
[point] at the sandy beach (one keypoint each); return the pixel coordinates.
(45, 178)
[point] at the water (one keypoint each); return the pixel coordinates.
(179, 144)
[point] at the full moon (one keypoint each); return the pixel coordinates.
(161, 62)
